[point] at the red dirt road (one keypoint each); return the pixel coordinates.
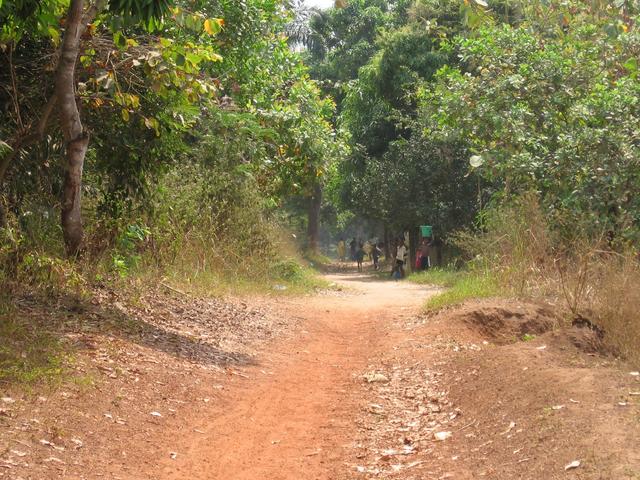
(354, 384)
(295, 422)
(508, 409)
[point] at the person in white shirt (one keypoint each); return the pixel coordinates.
(401, 256)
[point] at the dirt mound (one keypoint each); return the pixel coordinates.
(505, 322)
(456, 408)
(587, 340)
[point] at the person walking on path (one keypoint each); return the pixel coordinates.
(342, 250)
(352, 247)
(368, 248)
(360, 256)
(375, 255)
(401, 254)
(424, 253)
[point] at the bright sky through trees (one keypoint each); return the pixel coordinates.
(320, 3)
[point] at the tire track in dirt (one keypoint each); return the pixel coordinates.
(368, 385)
(295, 421)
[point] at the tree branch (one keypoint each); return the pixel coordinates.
(29, 138)
(93, 10)
(14, 87)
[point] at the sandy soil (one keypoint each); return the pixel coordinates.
(363, 386)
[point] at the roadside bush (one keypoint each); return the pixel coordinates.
(207, 222)
(288, 270)
(612, 291)
(513, 243)
(204, 227)
(592, 277)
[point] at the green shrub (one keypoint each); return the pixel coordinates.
(287, 270)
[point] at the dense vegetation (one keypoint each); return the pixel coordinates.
(453, 106)
(158, 131)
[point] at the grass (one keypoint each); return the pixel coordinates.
(284, 277)
(317, 260)
(29, 354)
(460, 286)
(442, 277)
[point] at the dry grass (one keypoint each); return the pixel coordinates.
(583, 274)
(614, 300)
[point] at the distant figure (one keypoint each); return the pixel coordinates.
(425, 248)
(352, 247)
(401, 254)
(375, 255)
(360, 256)
(368, 248)
(342, 250)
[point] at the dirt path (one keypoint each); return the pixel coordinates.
(371, 389)
(296, 420)
(355, 384)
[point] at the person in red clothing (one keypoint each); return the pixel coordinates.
(424, 253)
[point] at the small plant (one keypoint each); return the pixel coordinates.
(129, 245)
(49, 274)
(444, 277)
(527, 337)
(287, 270)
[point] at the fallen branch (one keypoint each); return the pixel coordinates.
(174, 289)
(466, 426)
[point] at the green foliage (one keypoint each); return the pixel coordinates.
(394, 175)
(49, 274)
(559, 117)
(344, 40)
(128, 247)
(459, 285)
(289, 270)
(443, 277)
(543, 94)
(408, 56)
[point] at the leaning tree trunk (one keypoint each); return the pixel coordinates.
(76, 139)
(313, 225)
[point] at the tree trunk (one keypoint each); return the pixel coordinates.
(387, 246)
(313, 225)
(76, 139)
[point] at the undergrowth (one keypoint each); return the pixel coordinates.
(444, 277)
(591, 275)
(202, 232)
(28, 353)
(469, 286)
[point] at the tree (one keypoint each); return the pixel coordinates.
(556, 114)
(65, 97)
